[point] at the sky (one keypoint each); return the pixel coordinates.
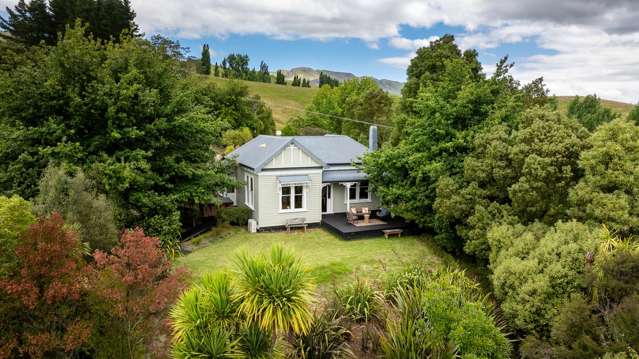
(580, 47)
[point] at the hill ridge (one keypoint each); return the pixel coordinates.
(309, 73)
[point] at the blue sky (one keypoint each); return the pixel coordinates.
(580, 47)
(348, 54)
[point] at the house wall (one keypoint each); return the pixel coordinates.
(339, 200)
(269, 198)
(239, 192)
(292, 157)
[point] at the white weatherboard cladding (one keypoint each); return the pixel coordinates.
(240, 192)
(292, 157)
(269, 199)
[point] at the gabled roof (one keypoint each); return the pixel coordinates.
(326, 150)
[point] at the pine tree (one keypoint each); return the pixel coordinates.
(33, 21)
(205, 62)
(296, 81)
(253, 75)
(265, 76)
(325, 79)
(216, 70)
(279, 78)
(29, 23)
(225, 73)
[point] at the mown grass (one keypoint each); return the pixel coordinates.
(285, 101)
(328, 258)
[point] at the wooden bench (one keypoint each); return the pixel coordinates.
(296, 223)
(392, 232)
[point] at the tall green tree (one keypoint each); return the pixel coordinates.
(238, 66)
(264, 74)
(453, 104)
(358, 99)
(29, 22)
(590, 112)
(609, 190)
(296, 81)
(429, 67)
(325, 79)
(76, 199)
(33, 21)
(279, 78)
(127, 115)
(515, 174)
(205, 60)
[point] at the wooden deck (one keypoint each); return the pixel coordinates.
(337, 224)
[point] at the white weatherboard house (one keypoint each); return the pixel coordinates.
(292, 177)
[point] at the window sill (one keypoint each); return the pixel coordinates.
(293, 210)
(359, 201)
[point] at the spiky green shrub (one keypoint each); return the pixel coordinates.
(257, 343)
(217, 343)
(412, 276)
(274, 291)
(241, 317)
(205, 318)
(359, 301)
(327, 338)
(443, 317)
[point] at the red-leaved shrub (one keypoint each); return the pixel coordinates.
(134, 287)
(43, 308)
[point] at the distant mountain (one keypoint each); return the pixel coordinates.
(390, 86)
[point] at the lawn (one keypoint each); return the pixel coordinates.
(328, 258)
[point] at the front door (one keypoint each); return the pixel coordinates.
(327, 198)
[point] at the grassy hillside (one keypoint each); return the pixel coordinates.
(288, 101)
(619, 107)
(285, 101)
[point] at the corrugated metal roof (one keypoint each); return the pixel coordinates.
(333, 149)
(328, 150)
(343, 176)
(258, 150)
(293, 179)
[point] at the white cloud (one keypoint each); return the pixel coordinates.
(505, 33)
(409, 44)
(587, 61)
(6, 3)
(401, 62)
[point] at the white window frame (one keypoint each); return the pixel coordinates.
(357, 198)
(292, 194)
(249, 191)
